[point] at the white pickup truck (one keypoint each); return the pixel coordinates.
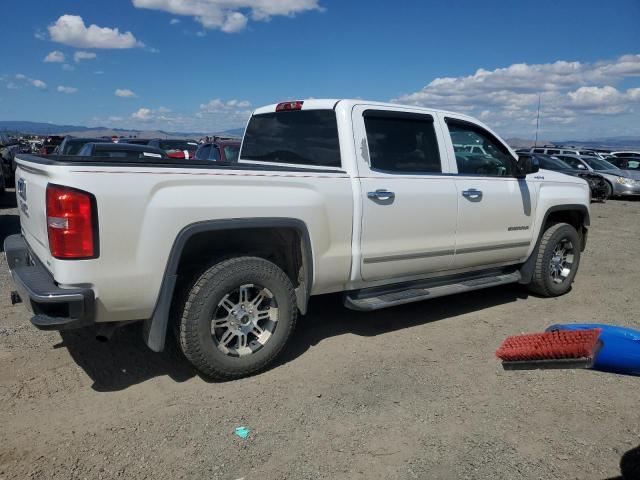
(385, 203)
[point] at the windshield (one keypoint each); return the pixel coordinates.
(72, 147)
(627, 163)
(231, 152)
(178, 145)
(125, 153)
(598, 164)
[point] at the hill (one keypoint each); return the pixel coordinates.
(40, 128)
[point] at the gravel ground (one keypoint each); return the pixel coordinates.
(409, 392)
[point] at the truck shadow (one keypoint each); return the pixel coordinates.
(126, 360)
(328, 317)
(8, 200)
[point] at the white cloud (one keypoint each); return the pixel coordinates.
(214, 116)
(174, 21)
(20, 80)
(55, 57)
(507, 97)
(218, 106)
(230, 15)
(71, 30)
(143, 114)
(67, 90)
(68, 68)
(37, 83)
(124, 93)
(82, 55)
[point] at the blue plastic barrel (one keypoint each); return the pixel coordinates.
(621, 347)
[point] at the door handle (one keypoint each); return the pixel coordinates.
(472, 194)
(381, 195)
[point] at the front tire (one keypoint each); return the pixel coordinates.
(237, 317)
(609, 190)
(557, 261)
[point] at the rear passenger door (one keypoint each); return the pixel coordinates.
(407, 192)
(495, 209)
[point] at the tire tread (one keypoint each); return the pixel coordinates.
(194, 303)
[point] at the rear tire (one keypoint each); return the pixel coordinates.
(557, 261)
(237, 317)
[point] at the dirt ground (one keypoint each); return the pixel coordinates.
(409, 392)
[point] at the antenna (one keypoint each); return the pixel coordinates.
(537, 120)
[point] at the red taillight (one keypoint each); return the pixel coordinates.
(70, 223)
(178, 154)
(286, 106)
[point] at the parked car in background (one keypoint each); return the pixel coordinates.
(7, 164)
(72, 145)
(50, 144)
(135, 141)
(176, 148)
(622, 182)
(563, 151)
(626, 154)
(625, 163)
(2, 182)
(121, 150)
(600, 188)
(219, 150)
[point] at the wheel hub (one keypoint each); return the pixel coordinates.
(562, 261)
(244, 320)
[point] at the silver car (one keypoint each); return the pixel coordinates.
(621, 182)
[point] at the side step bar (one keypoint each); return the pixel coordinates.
(375, 299)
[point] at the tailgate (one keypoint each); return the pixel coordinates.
(31, 189)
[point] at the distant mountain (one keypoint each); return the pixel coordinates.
(613, 143)
(40, 128)
(524, 143)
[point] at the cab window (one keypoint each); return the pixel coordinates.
(488, 157)
(401, 142)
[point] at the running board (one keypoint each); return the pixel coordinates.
(364, 300)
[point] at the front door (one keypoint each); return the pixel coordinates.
(495, 209)
(408, 194)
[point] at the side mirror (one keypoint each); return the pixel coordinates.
(526, 165)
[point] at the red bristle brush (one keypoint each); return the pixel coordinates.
(556, 349)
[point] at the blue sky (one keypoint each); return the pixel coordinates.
(199, 65)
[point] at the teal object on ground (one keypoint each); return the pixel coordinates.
(242, 432)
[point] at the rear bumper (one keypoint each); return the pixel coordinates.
(53, 308)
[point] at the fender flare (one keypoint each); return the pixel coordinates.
(155, 327)
(526, 271)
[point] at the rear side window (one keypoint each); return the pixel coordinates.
(402, 143)
(299, 137)
(538, 150)
(552, 152)
(203, 152)
(231, 152)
